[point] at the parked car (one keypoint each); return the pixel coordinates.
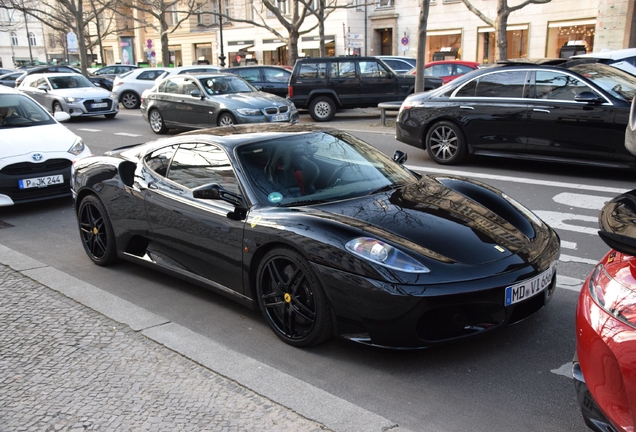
(400, 64)
(180, 70)
(36, 151)
(624, 59)
(111, 71)
(129, 86)
(103, 82)
(9, 78)
(71, 93)
(204, 100)
(4, 71)
(447, 70)
(323, 85)
(322, 232)
(604, 367)
(569, 112)
(270, 79)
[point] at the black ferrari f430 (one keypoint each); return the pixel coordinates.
(320, 231)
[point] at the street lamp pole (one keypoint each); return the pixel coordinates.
(222, 56)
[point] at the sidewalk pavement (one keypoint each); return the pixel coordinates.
(75, 358)
(359, 120)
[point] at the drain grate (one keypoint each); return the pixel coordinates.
(5, 225)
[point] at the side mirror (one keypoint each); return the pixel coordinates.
(43, 88)
(62, 116)
(617, 221)
(196, 94)
(215, 192)
(400, 157)
(589, 97)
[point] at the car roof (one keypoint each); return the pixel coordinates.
(55, 74)
(460, 62)
(613, 54)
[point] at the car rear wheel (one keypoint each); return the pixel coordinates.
(226, 119)
(129, 100)
(445, 143)
(96, 231)
(322, 109)
(57, 107)
(156, 122)
(292, 300)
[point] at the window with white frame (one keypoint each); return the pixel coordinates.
(283, 7)
(14, 39)
(32, 40)
(384, 3)
(172, 16)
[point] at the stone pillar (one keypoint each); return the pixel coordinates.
(615, 26)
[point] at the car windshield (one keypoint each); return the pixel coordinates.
(619, 84)
(225, 85)
(69, 81)
(317, 167)
(21, 111)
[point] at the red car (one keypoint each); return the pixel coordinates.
(447, 70)
(604, 367)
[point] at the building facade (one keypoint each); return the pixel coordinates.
(21, 40)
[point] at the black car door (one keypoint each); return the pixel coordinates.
(344, 81)
(196, 236)
(193, 111)
(563, 127)
(492, 108)
(165, 100)
(377, 84)
(275, 81)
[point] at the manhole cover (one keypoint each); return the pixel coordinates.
(5, 225)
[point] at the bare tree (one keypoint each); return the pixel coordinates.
(421, 46)
(501, 22)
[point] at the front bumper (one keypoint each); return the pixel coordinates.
(407, 317)
(84, 108)
(10, 192)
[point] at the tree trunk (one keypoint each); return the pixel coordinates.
(501, 37)
(165, 52)
(321, 28)
(421, 46)
(81, 40)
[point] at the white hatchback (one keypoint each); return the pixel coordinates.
(128, 87)
(36, 151)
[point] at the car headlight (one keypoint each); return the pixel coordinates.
(384, 254)
(523, 209)
(249, 111)
(112, 96)
(615, 298)
(77, 147)
(72, 99)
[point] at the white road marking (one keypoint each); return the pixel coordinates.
(127, 134)
(592, 202)
(558, 220)
(569, 258)
(565, 370)
(610, 190)
(569, 283)
(568, 245)
(89, 130)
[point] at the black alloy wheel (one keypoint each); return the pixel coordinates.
(226, 119)
(292, 300)
(322, 109)
(445, 143)
(96, 231)
(130, 100)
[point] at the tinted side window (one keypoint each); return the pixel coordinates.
(159, 160)
(312, 70)
(372, 69)
(199, 164)
(343, 69)
(249, 75)
(276, 75)
(172, 85)
(189, 86)
(461, 69)
(558, 86)
(496, 85)
(149, 75)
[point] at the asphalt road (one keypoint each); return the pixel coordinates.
(514, 379)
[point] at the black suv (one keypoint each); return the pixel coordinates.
(325, 84)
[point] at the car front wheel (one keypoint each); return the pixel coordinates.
(57, 107)
(292, 299)
(129, 100)
(156, 122)
(445, 143)
(322, 109)
(96, 231)
(226, 119)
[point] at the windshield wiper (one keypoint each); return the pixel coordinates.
(387, 188)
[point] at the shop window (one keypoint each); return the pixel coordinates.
(567, 38)
(517, 45)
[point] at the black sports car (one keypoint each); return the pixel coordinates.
(321, 231)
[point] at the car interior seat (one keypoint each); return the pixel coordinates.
(289, 167)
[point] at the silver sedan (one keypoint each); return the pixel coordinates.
(214, 99)
(70, 92)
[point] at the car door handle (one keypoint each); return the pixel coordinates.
(466, 107)
(541, 110)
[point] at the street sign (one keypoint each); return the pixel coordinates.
(355, 44)
(352, 36)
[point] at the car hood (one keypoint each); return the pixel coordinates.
(83, 92)
(442, 224)
(253, 99)
(18, 144)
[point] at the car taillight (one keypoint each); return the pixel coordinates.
(614, 297)
(117, 82)
(290, 91)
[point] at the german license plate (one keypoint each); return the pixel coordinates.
(279, 117)
(39, 182)
(99, 105)
(529, 288)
